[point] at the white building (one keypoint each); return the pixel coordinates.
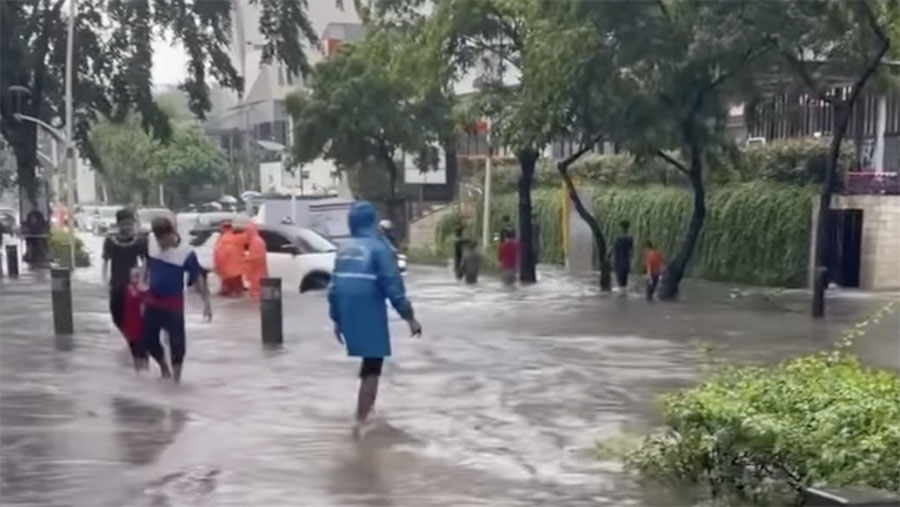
(259, 121)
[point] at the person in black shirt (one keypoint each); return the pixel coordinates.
(123, 251)
(459, 244)
(622, 249)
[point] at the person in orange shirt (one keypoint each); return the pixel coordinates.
(653, 262)
(228, 257)
(254, 264)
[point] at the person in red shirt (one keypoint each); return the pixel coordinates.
(653, 262)
(508, 255)
(133, 321)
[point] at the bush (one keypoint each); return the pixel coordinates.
(59, 249)
(809, 421)
(607, 169)
(755, 233)
(752, 432)
(797, 161)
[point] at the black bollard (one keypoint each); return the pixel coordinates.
(270, 311)
(819, 286)
(61, 293)
(12, 261)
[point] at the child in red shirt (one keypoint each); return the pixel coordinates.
(133, 320)
(653, 262)
(508, 255)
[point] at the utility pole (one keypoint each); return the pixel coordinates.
(70, 146)
(486, 212)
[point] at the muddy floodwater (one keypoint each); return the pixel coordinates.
(499, 403)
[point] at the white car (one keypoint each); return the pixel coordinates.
(103, 221)
(300, 257)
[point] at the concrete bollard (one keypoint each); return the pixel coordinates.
(270, 311)
(12, 261)
(61, 293)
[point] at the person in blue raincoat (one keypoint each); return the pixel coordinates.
(365, 274)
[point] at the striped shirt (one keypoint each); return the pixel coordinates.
(166, 270)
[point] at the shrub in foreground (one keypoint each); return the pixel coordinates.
(754, 432)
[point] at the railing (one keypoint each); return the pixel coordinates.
(872, 183)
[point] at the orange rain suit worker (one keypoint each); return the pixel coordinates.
(228, 257)
(255, 262)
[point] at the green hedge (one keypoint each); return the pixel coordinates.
(756, 233)
(794, 161)
(614, 169)
(797, 161)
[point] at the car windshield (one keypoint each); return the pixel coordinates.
(108, 212)
(314, 241)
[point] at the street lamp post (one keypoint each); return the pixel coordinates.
(486, 212)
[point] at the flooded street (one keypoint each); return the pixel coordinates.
(499, 403)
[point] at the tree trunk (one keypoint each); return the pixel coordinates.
(37, 250)
(599, 239)
(671, 279)
(823, 223)
(452, 170)
(527, 160)
(392, 171)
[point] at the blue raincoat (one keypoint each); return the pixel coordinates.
(365, 274)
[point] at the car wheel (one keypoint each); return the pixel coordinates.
(315, 281)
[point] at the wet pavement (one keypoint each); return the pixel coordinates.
(499, 403)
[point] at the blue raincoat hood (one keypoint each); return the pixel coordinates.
(362, 219)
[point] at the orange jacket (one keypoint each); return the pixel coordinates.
(255, 262)
(229, 253)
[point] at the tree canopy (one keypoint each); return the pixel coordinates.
(134, 163)
(366, 107)
(113, 57)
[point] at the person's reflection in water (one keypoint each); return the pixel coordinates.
(357, 478)
(144, 431)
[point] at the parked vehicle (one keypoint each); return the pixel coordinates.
(299, 256)
(84, 216)
(145, 217)
(104, 220)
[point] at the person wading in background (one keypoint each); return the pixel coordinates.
(622, 251)
(653, 262)
(459, 243)
(254, 264)
(471, 262)
(508, 256)
(228, 258)
(365, 274)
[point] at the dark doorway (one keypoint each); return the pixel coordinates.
(844, 248)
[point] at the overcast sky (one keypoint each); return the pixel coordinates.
(169, 63)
